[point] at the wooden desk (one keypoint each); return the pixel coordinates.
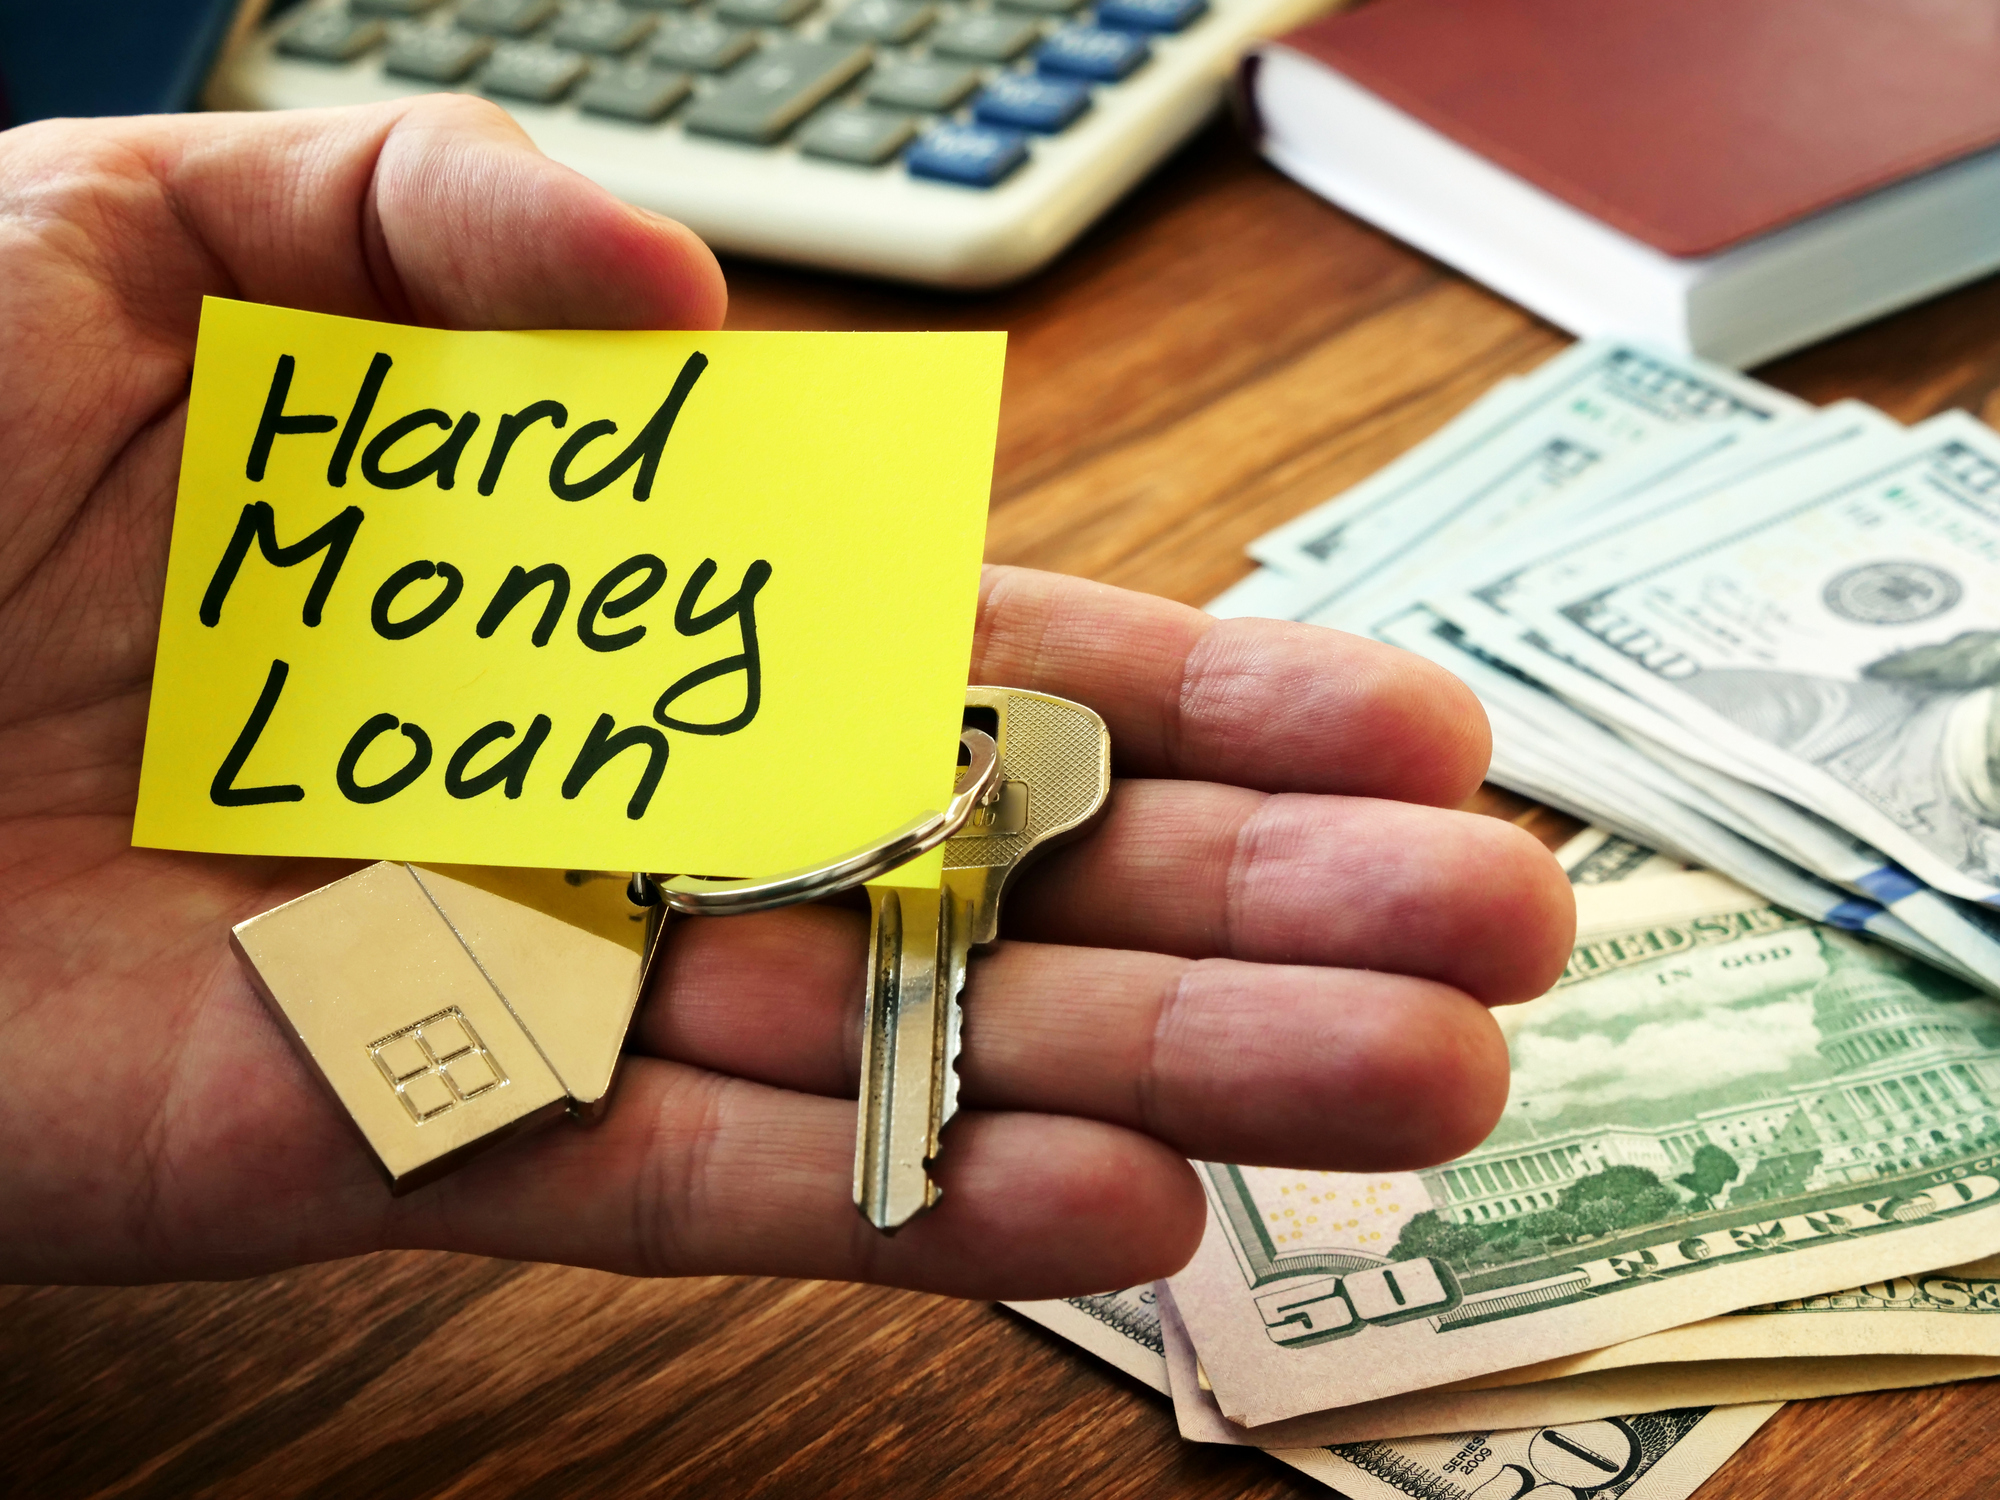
(1222, 353)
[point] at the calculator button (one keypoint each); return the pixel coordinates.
(505, 17)
(601, 26)
(763, 100)
(530, 70)
(1043, 7)
(330, 36)
(704, 45)
(1150, 15)
(633, 91)
(930, 86)
(867, 137)
(891, 21)
(1092, 52)
(984, 36)
(973, 155)
(435, 54)
(1025, 102)
(391, 7)
(764, 12)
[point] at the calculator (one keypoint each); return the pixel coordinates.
(955, 142)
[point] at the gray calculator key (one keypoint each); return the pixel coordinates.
(931, 86)
(330, 36)
(867, 137)
(532, 70)
(633, 91)
(764, 100)
(764, 12)
(1043, 7)
(601, 26)
(891, 21)
(985, 36)
(505, 17)
(703, 44)
(436, 54)
(391, 7)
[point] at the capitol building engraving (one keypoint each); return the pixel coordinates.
(1909, 1080)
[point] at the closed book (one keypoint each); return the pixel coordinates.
(1734, 178)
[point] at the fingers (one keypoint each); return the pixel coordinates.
(1225, 1061)
(693, 1173)
(1258, 703)
(1212, 871)
(477, 229)
(1257, 1064)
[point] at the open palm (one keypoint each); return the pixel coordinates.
(1271, 951)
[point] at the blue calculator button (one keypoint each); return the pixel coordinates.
(1150, 15)
(1094, 52)
(975, 155)
(1029, 103)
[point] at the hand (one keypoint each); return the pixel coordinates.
(1265, 953)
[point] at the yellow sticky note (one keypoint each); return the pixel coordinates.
(695, 603)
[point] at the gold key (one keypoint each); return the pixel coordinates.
(1055, 772)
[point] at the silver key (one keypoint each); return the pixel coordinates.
(1055, 772)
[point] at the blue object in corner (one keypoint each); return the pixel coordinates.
(107, 57)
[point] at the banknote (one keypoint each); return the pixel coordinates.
(1719, 1104)
(1657, 1455)
(1122, 1328)
(1592, 408)
(1597, 856)
(1846, 643)
(1543, 749)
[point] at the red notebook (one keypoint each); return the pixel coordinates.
(1689, 124)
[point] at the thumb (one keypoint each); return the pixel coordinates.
(436, 210)
(474, 227)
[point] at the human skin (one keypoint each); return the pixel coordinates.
(1279, 946)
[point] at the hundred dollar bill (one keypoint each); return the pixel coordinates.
(1952, 1311)
(1121, 1328)
(1597, 856)
(1658, 1455)
(1543, 749)
(1844, 643)
(1596, 406)
(1719, 1104)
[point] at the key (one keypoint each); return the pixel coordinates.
(532, 71)
(984, 36)
(931, 86)
(866, 137)
(601, 26)
(330, 36)
(1055, 772)
(505, 17)
(971, 155)
(633, 91)
(764, 100)
(891, 22)
(1023, 101)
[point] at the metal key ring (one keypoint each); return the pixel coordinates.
(977, 783)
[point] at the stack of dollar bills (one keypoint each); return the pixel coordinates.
(1752, 1148)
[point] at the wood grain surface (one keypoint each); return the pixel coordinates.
(1221, 353)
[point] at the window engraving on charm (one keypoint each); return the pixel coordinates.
(436, 1063)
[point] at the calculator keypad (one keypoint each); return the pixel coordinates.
(958, 90)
